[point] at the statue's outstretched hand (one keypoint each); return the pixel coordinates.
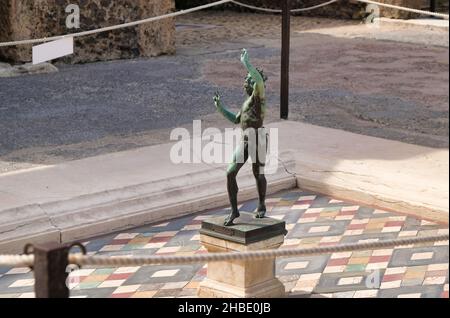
(216, 99)
(244, 56)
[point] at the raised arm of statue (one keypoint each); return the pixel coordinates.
(254, 73)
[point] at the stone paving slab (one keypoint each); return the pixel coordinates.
(411, 271)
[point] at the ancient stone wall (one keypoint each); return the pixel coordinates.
(343, 9)
(397, 14)
(25, 19)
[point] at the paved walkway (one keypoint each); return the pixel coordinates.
(312, 220)
(342, 76)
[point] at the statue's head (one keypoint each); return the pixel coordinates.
(249, 82)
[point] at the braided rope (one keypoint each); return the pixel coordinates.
(16, 260)
(255, 8)
(28, 260)
(115, 27)
(278, 11)
(314, 7)
(424, 12)
(244, 256)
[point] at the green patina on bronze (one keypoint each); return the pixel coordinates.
(251, 116)
(246, 230)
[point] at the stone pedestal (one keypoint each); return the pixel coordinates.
(242, 279)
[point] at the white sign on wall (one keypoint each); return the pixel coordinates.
(52, 50)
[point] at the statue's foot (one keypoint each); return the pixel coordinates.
(261, 212)
(230, 218)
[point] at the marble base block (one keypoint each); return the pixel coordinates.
(237, 278)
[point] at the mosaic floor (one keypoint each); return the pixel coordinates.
(312, 220)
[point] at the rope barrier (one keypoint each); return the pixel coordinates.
(17, 260)
(279, 11)
(314, 7)
(114, 27)
(80, 259)
(255, 8)
(424, 12)
(202, 7)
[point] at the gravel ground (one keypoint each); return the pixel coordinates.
(342, 76)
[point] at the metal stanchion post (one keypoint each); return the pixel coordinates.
(50, 270)
(285, 49)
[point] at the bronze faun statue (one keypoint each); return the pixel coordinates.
(253, 141)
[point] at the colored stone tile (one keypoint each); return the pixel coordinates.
(392, 277)
(22, 283)
(412, 282)
(128, 236)
(385, 252)
(377, 226)
(130, 247)
(18, 270)
(174, 285)
(358, 260)
(391, 284)
(111, 283)
(144, 294)
(296, 265)
(94, 278)
(126, 289)
(341, 255)
(123, 295)
(412, 295)
(419, 256)
(433, 280)
(109, 248)
(350, 280)
(335, 269)
(303, 230)
(376, 266)
(348, 294)
(437, 267)
(379, 259)
(425, 291)
(355, 268)
(150, 287)
(119, 276)
(341, 282)
(312, 220)
(338, 261)
(88, 285)
(104, 271)
(167, 293)
(370, 293)
(165, 273)
(356, 227)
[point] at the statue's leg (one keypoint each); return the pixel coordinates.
(258, 171)
(239, 159)
(261, 185)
